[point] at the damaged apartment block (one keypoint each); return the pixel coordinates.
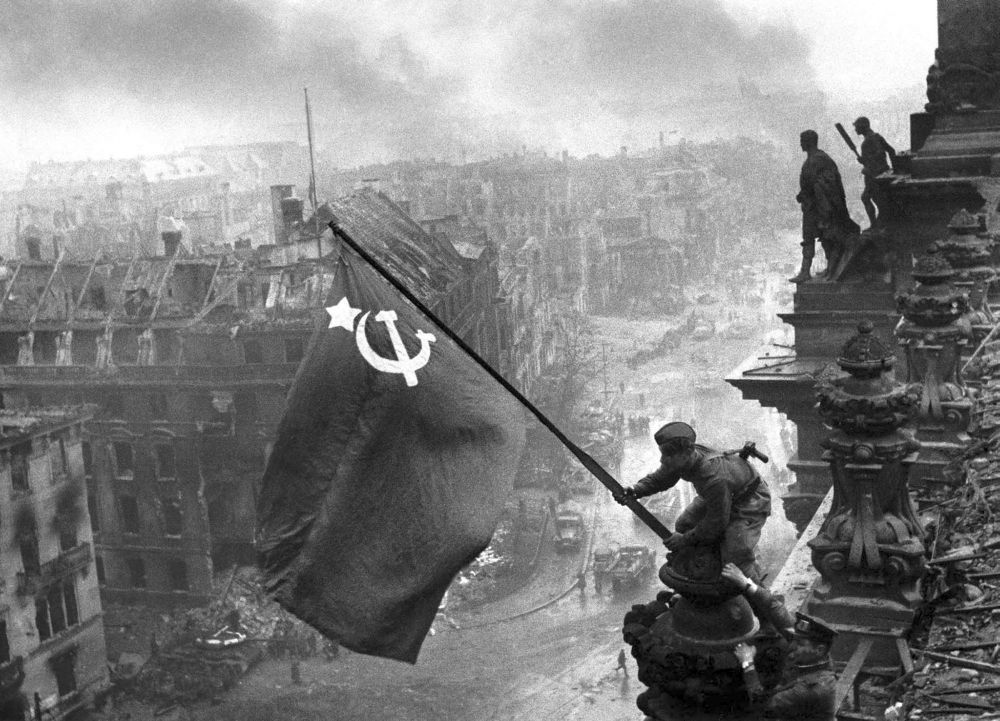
(52, 653)
(188, 359)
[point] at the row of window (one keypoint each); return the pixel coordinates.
(112, 404)
(56, 610)
(170, 513)
(253, 351)
(123, 461)
(28, 543)
(176, 572)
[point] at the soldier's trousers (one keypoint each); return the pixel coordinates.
(739, 543)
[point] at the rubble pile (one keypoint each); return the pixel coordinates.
(958, 670)
(180, 670)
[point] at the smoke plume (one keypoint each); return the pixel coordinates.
(387, 79)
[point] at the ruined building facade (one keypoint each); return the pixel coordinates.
(189, 359)
(52, 654)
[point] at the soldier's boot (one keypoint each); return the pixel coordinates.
(804, 273)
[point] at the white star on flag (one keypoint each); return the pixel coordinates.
(342, 315)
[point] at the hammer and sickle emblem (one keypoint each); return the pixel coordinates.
(403, 363)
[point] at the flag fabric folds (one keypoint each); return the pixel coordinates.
(389, 472)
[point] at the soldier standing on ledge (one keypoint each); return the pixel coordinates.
(733, 500)
(875, 156)
(824, 206)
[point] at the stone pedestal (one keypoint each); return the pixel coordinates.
(869, 550)
(933, 333)
(973, 253)
(685, 654)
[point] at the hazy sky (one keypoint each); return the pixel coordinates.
(403, 78)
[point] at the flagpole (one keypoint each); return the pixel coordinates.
(313, 200)
(595, 468)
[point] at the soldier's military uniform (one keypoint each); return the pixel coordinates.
(809, 696)
(770, 609)
(809, 693)
(733, 500)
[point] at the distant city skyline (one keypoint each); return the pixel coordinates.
(397, 79)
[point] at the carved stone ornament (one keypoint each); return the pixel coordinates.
(963, 82)
(867, 401)
(969, 249)
(935, 301)
(934, 330)
(872, 534)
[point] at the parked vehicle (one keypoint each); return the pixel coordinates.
(631, 564)
(568, 527)
(604, 559)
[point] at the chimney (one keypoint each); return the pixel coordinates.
(291, 214)
(278, 194)
(34, 246)
(171, 242)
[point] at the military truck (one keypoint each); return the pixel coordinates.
(568, 527)
(630, 565)
(604, 559)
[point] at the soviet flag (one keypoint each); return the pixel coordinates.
(391, 466)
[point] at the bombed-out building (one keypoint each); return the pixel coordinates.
(52, 653)
(189, 359)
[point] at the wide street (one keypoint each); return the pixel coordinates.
(548, 652)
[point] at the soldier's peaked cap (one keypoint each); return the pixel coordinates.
(812, 628)
(678, 430)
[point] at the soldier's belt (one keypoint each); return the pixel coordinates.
(748, 491)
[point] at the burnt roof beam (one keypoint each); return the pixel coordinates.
(47, 288)
(10, 285)
(120, 301)
(86, 285)
(163, 284)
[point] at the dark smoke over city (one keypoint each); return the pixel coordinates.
(487, 77)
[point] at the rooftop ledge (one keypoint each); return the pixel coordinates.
(778, 362)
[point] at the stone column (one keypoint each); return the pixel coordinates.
(933, 332)
(869, 550)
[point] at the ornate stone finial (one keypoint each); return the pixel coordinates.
(965, 223)
(932, 268)
(864, 355)
(868, 402)
(935, 301)
(968, 248)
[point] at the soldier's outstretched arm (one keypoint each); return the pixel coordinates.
(662, 479)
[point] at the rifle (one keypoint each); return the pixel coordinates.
(847, 139)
